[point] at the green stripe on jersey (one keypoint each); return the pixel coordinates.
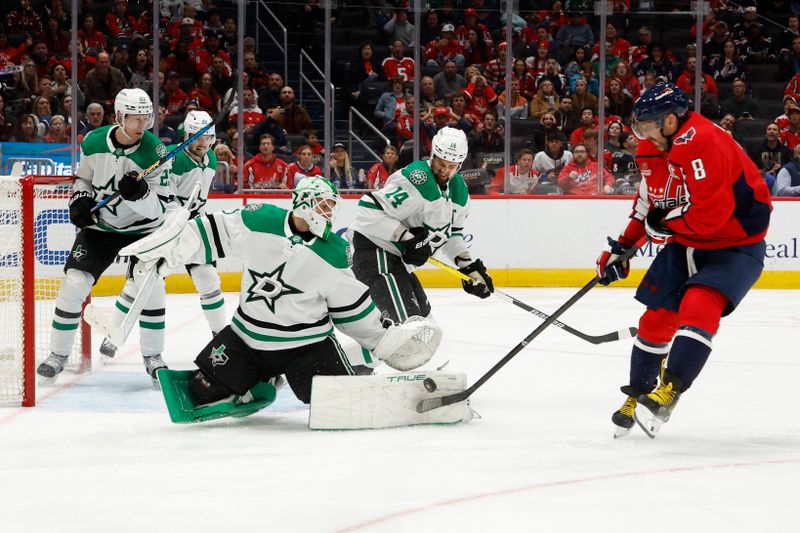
(353, 318)
(203, 235)
(269, 338)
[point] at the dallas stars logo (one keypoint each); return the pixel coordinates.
(218, 356)
(79, 253)
(268, 287)
(111, 185)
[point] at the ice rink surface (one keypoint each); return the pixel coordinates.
(99, 454)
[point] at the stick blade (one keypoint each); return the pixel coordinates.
(429, 404)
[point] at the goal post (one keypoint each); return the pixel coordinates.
(36, 236)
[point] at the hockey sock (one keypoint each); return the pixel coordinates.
(152, 321)
(206, 281)
(699, 316)
(74, 290)
(689, 353)
(646, 361)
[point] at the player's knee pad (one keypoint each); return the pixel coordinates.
(75, 288)
(206, 390)
(657, 326)
(206, 280)
(701, 308)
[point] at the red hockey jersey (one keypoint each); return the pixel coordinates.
(715, 194)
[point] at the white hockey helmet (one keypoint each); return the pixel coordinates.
(316, 200)
(450, 144)
(133, 102)
(196, 121)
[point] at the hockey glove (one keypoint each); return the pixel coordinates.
(80, 209)
(653, 225)
(608, 269)
(482, 286)
(418, 249)
(132, 188)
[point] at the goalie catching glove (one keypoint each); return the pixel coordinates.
(482, 286)
(609, 269)
(409, 345)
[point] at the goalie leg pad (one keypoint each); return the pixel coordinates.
(183, 407)
(383, 401)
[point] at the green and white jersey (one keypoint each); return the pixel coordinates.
(102, 166)
(293, 292)
(185, 172)
(412, 197)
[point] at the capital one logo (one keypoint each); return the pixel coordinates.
(43, 226)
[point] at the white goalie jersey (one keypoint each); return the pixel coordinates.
(293, 292)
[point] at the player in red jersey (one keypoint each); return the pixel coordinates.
(398, 64)
(702, 196)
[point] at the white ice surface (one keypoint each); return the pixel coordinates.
(99, 454)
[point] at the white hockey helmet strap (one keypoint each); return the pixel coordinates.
(133, 102)
(311, 200)
(197, 120)
(450, 144)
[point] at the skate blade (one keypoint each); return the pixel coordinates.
(620, 432)
(649, 423)
(47, 382)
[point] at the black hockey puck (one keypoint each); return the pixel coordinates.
(430, 385)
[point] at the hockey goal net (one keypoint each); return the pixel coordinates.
(35, 240)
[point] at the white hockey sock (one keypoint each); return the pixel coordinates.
(67, 318)
(212, 300)
(152, 321)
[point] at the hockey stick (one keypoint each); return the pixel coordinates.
(174, 152)
(433, 403)
(101, 319)
(594, 339)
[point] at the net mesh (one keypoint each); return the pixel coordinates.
(53, 237)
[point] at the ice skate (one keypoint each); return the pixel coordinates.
(151, 364)
(108, 350)
(51, 368)
(655, 408)
(623, 417)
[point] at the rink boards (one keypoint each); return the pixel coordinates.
(525, 241)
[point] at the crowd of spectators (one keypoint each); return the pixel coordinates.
(554, 83)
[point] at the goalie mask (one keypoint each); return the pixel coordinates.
(133, 102)
(316, 200)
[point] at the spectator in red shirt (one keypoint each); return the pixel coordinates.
(446, 48)
(397, 64)
(480, 95)
(686, 79)
(527, 81)
(303, 167)
(619, 46)
(120, 23)
(470, 22)
(522, 178)
(43, 59)
(251, 112)
(204, 56)
(790, 136)
(56, 40)
(189, 33)
(496, 69)
(205, 94)
(580, 175)
(24, 20)
(174, 98)
(380, 172)
(265, 170)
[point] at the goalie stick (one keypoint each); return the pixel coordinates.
(100, 319)
(433, 403)
(174, 152)
(594, 339)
